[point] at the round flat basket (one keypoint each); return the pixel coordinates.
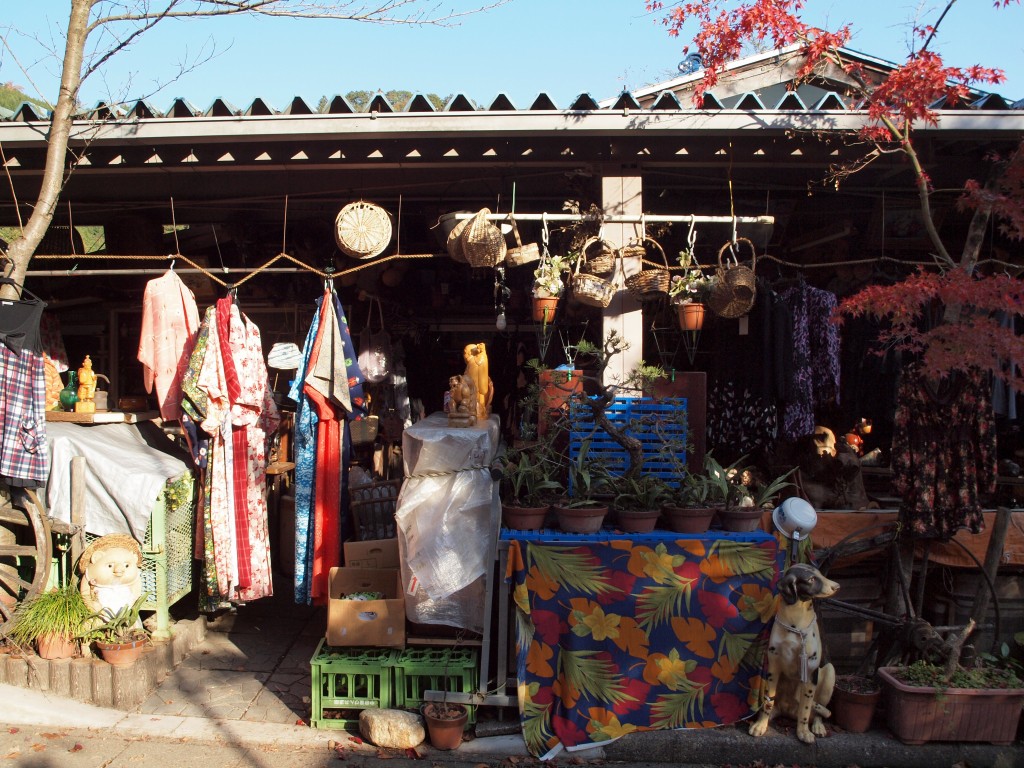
(362, 230)
(482, 243)
(734, 287)
(652, 281)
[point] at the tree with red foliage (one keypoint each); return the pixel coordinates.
(968, 338)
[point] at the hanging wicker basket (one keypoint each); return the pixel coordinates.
(653, 280)
(520, 254)
(362, 230)
(734, 288)
(591, 290)
(598, 256)
(454, 244)
(482, 243)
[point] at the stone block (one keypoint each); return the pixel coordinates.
(391, 728)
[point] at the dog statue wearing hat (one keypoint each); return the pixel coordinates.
(797, 684)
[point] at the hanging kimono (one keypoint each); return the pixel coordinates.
(170, 321)
(24, 459)
(814, 378)
(943, 453)
(329, 392)
(240, 413)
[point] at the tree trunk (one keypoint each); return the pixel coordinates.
(24, 247)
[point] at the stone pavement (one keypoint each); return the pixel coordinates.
(242, 698)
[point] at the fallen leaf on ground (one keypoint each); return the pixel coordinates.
(38, 747)
(12, 754)
(12, 730)
(383, 755)
(76, 748)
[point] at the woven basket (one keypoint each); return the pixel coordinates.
(482, 242)
(362, 230)
(364, 430)
(734, 288)
(521, 254)
(591, 290)
(599, 256)
(454, 243)
(652, 281)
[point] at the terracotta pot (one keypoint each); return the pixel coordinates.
(55, 646)
(121, 654)
(637, 520)
(544, 308)
(691, 316)
(853, 710)
(917, 714)
(523, 518)
(739, 519)
(688, 519)
(581, 519)
(445, 732)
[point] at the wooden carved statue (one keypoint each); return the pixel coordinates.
(475, 356)
(462, 412)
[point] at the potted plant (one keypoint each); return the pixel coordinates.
(51, 621)
(548, 286)
(928, 702)
(853, 703)
(587, 479)
(527, 486)
(118, 636)
(637, 502)
(687, 291)
(446, 722)
(686, 508)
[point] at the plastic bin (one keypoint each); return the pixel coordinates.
(346, 681)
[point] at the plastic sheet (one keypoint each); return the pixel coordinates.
(447, 516)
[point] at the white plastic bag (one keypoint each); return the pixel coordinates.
(374, 348)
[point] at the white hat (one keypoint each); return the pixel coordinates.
(285, 356)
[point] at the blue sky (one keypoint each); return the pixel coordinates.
(560, 47)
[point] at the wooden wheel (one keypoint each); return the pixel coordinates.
(25, 551)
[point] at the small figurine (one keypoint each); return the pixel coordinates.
(475, 356)
(462, 411)
(111, 573)
(86, 388)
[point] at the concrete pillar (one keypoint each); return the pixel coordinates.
(622, 195)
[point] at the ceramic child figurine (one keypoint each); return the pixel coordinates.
(475, 356)
(86, 387)
(111, 573)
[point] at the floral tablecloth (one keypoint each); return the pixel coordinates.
(621, 633)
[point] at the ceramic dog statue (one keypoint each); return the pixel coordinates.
(797, 684)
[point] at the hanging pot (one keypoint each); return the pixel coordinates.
(691, 316)
(544, 308)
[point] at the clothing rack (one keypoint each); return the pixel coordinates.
(623, 219)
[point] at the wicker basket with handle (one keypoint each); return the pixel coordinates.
(652, 281)
(590, 289)
(520, 254)
(482, 243)
(362, 230)
(598, 255)
(734, 288)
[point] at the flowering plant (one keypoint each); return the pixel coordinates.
(691, 285)
(547, 277)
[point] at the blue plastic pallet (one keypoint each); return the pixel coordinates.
(660, 426)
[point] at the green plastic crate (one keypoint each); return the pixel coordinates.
(418, 670)
(347, 681)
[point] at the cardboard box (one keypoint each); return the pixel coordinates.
(375, 553)
(376, 623)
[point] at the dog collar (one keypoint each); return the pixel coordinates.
(804, 674)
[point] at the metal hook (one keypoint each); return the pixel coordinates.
(691, 236)
(734, 230)
(544, 229)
